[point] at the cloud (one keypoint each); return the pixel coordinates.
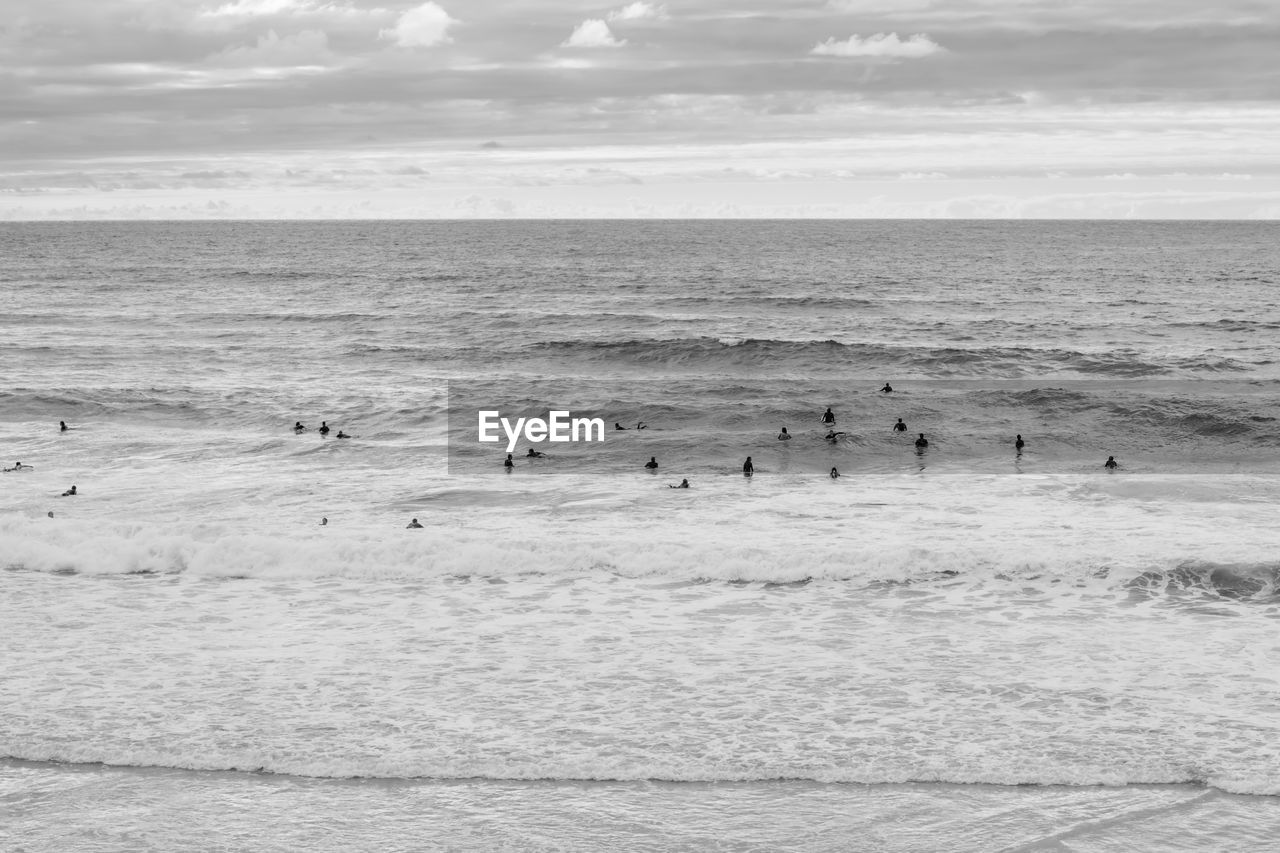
(592, 32)
(879, 45)
(422, 26)
(640, 11)
(309, 47)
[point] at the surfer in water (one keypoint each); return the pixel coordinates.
(835, 475)
(510, 463)
(342, 434)
(833, 436)
(18, 466)
(618, 426)
(887, 389)
(899, 426)
(828, 417)
(747, 468)
(324, 427)
(684, 484)
(922, 442)
(413, 524)
(652, 464)
(534, 454)
(1018, 444)
(298, 427)
(324, 522)
(71, 492)
(62, 426)
(641, 425)
(784, 435)
(1111, 464)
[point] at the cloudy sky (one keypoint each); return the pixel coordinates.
(458, 108)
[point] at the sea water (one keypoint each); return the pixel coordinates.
(961, 648)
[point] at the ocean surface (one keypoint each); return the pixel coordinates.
(961, 648)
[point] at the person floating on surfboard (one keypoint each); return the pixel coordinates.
(684, 484)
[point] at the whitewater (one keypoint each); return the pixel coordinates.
(964, 647)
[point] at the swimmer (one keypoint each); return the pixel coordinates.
(887, 389)
(534, 454)
(652, 464)
(510, 463)
(63, 426)
(71, 492)
(1019, 444)
(899, 426)
(922, 442)
(298, 427)
(324, 522)
(618, 426)
(747, 468)
(684, 484)
(1111, 464)
(18, 466)
(641, 425)
(828, 417)
(835, 475)
(51, 513)
(833, 436)
(324, 428)
(342, 434)
(413, 524)
(784, 435)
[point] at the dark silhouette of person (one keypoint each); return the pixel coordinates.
(342, 434)
(324, 427)
(747, 468)
(70, 492)
(535, 454)
(62, 426)
(922, 442)
(784, 435)
(641, 425)
(618, 426)
(324, 522)
(828, 417)
(887, 389)
(1019, 444)
(834, 474)
(413, 524)
(1110, 464)
(652, 464)
(298, 427)
(833, 436)
(899, 426)
(684, 484)
(510, 463)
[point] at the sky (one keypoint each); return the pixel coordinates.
(117, 109)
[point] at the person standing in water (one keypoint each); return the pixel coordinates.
(922, 442)
(652, 464)
(1018, 444)
(413, 524)
(324, 427)
(747, 468)
(899, 426)
(835, 475)
(828, 417)
(784, 435)
(1111, 464)
(62, 426)
(510, 463)
(887, 389)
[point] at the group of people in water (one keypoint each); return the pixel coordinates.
(298, 429)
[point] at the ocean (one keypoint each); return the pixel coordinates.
(964, 647)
